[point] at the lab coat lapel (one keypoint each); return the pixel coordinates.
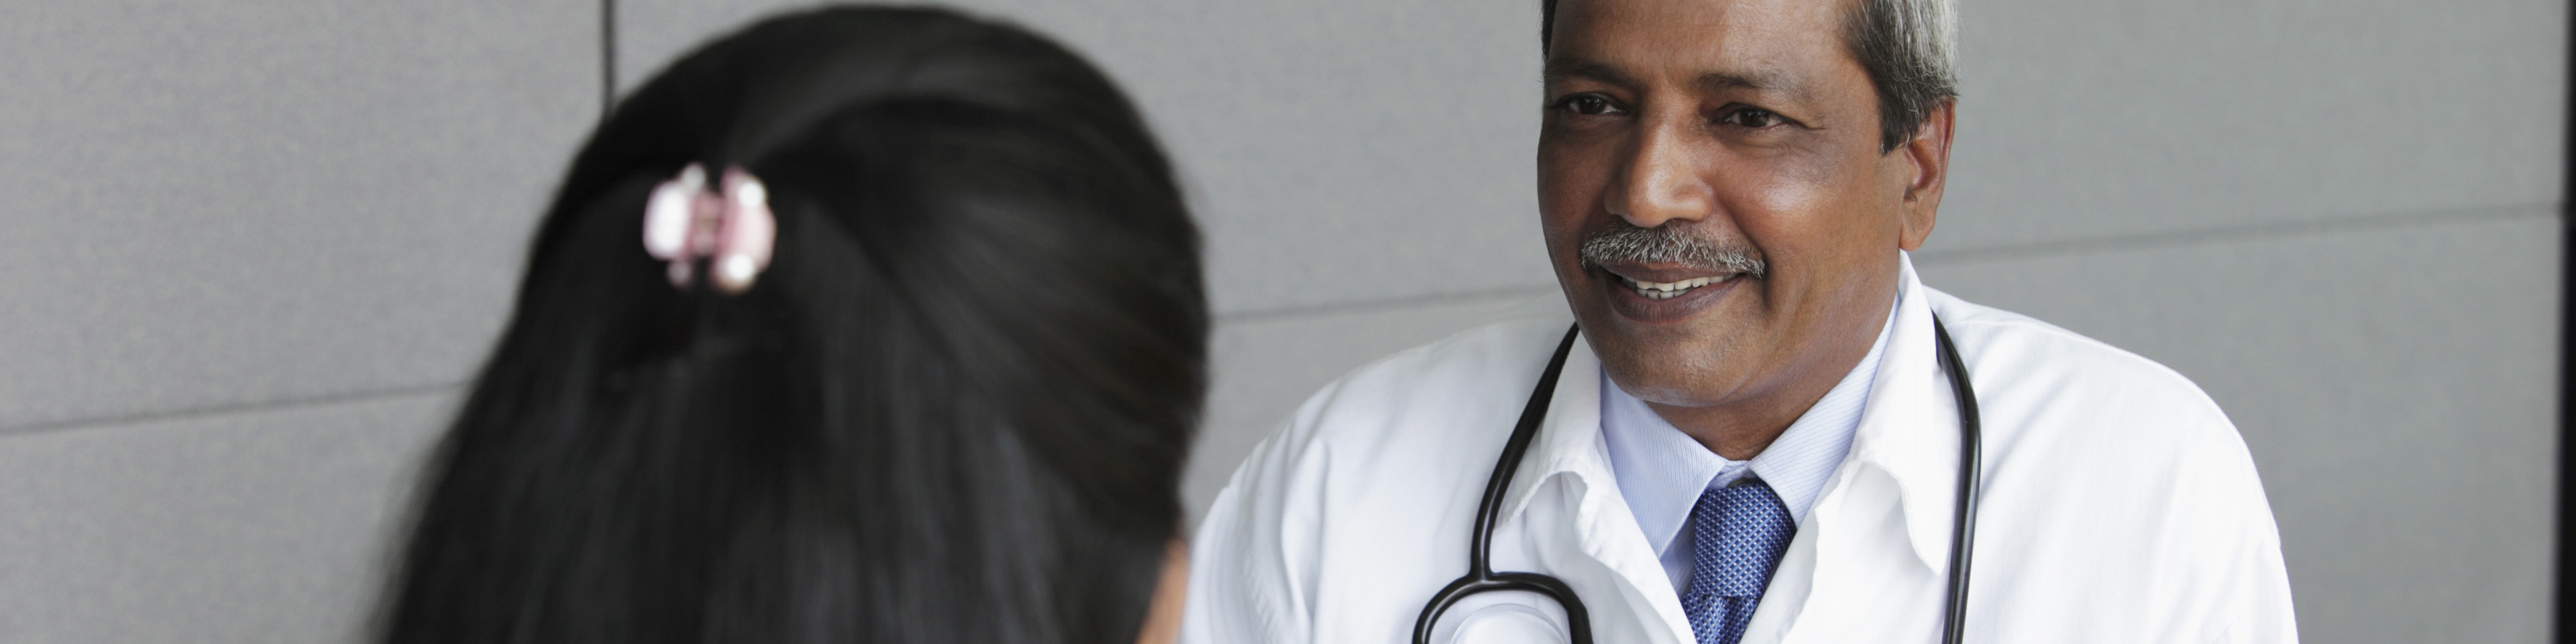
(1910, 428)
(1565, 510)
(1882, 527)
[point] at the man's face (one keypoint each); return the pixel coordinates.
(1719, 163)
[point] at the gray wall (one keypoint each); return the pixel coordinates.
(253, 247)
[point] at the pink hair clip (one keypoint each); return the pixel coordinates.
(683, 223)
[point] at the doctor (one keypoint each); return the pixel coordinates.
(1754, 439)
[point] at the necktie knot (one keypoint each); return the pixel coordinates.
(1738, 533)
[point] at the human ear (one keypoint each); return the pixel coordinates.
(1929, 154)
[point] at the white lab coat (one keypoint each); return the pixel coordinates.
(2119, 504)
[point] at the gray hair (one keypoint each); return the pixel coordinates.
(1909, 48)
(1624, 241)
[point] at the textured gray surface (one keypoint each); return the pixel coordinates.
(2400, 410)
(215, 204)
(2085, 120)
(236, 528)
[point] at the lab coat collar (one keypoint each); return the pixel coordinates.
(1909, 430)
(1569, 445)
(1910, 427)
(1569, 438)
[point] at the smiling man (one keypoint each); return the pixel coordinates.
(1762, 434)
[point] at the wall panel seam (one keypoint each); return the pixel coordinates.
(235, 409)
(2196, 237)
(1372, 305)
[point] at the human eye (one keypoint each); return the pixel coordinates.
(1587, 104)
(1750, 117)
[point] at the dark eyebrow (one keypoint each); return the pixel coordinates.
(1559, 70)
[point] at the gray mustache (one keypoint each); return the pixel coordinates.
(1666, 244)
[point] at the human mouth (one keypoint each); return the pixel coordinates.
(1669, 290)
(1682, 293)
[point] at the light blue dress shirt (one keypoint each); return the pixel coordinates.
(1662, 471)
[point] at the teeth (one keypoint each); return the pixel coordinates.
(1668, 290)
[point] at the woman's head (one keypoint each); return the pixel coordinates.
(954, 406)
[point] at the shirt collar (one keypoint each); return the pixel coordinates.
(1662, 471)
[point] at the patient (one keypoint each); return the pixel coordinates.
(858, 325)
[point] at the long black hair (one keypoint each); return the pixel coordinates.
(953, 409)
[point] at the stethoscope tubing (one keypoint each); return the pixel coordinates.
(1481, 578)
(1963, 518)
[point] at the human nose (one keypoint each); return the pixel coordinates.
(1659, 182)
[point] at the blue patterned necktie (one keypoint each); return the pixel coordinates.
(1737, 535)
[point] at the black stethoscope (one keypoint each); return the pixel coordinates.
(1481, 577)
